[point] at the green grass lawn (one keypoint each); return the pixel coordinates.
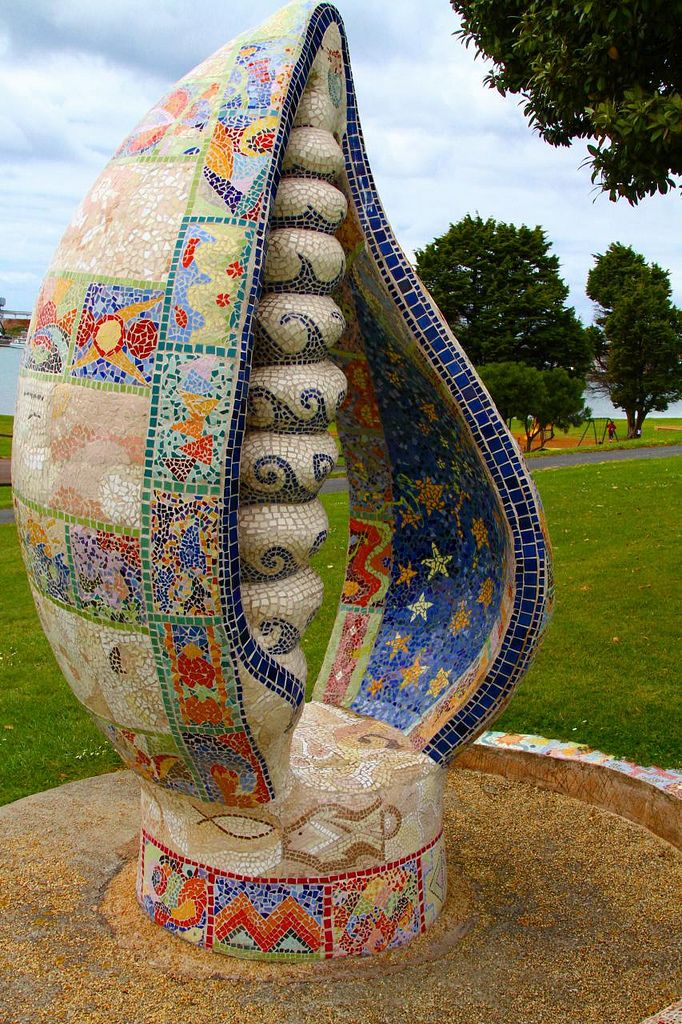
(45, 736)
(609, 672)
(607, 675)
(6, 428)
(330, 563)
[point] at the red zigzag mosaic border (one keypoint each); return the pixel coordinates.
(349, 913)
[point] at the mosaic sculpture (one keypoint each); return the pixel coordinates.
(227, 288)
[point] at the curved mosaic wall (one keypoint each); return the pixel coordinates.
(228, 287)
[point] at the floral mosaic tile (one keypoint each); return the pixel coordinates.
(376, 912)
(107, 574)
(205, 689)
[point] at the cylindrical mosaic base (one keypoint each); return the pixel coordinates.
(296, 918)
(348, 861)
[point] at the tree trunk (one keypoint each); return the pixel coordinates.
(531, 433)
(639, 422)
(547, 434)
(631, 416)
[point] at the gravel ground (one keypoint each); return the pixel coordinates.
(557, 913)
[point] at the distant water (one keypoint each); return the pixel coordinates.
(10, 360)
(602, 407)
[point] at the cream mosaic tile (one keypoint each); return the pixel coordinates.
(127, 224)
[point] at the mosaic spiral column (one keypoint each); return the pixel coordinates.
(228, 287)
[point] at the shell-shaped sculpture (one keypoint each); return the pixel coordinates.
(228, 287)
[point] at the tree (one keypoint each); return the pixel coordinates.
(637, 334)
(500, 290)
(592, 69)
(564, 405)
(513, 387)
(541, 399)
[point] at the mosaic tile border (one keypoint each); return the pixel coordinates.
(246, 233)
(358, 912)
(670, 1015)
(667, 780)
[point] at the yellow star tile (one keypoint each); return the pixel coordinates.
(485, 594)
(439, 681)
(398, 643)
(438, 563)
(412, 674)
(460, 620)
(480, 532)
(407, 574)
(420, 607)
(375, 687)
(431, 495)
(410, 517)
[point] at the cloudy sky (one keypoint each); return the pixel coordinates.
(76, 75)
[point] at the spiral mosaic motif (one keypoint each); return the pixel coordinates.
(228, 289)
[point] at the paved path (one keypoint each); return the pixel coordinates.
(335, 485)
(339, 484)
(617, 455)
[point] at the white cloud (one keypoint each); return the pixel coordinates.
(76, 76)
